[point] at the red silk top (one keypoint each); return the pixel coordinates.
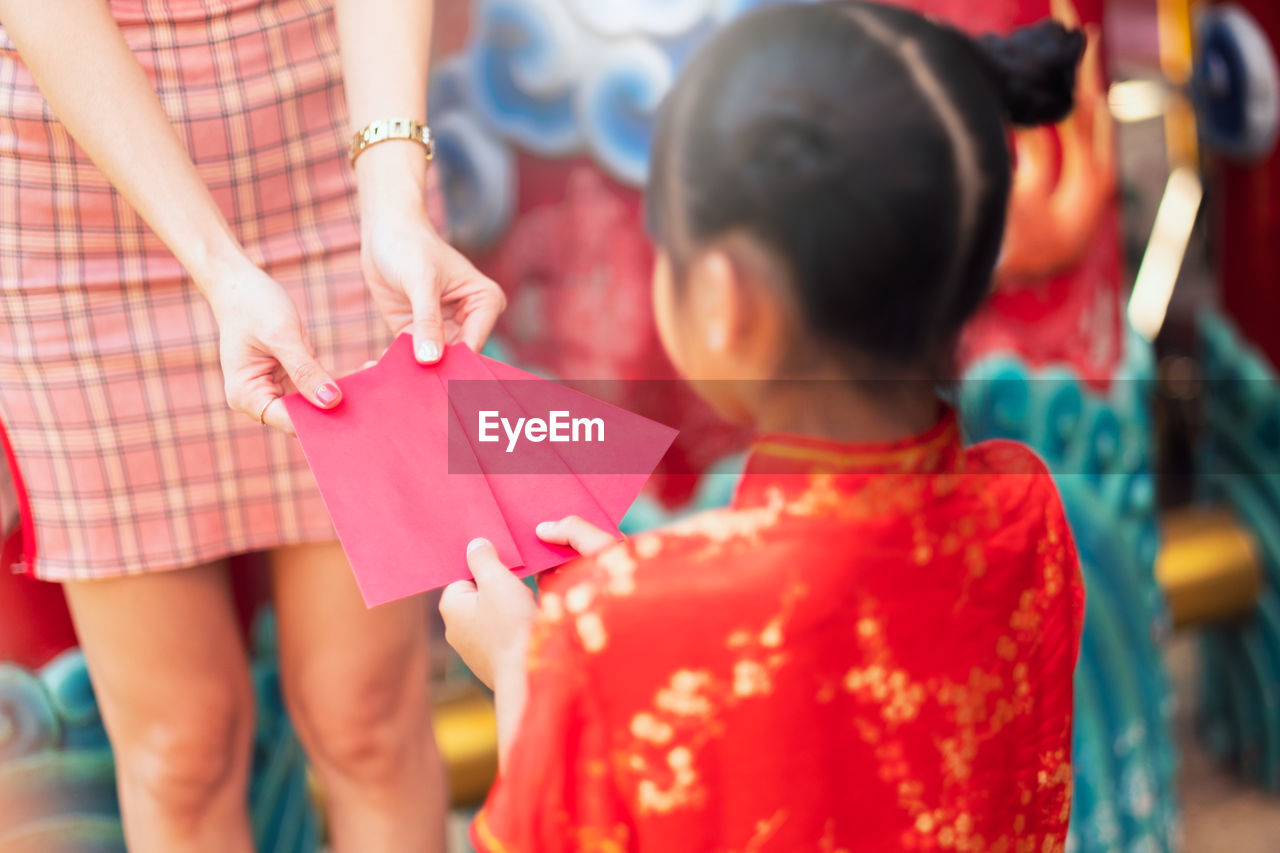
(871, 649)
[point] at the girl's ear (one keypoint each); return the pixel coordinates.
(718, 309)
(738, 318)
(756, 307)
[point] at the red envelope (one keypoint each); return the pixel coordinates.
(408, 481)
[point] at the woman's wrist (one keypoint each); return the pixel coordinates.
(208, 250)
(222, 275)
(392, 180)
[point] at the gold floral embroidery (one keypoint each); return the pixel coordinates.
(719, 527)
(683, 697)
(898, 698)
(620, 569)
(683, 789)
(647, 547)
(591, 632)
(578, 598)
(827, 844)
(764, 831)
(614, 839)
(688, 706)
(551, 606)
(750, 679)
(771, 636)
(647, 727)
(578, 602)
(979, 710)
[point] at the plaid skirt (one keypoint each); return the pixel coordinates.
(121, 452)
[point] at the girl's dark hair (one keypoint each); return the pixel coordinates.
(867, 147)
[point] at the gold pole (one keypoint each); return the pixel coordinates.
(1208, 567)
(467, 732)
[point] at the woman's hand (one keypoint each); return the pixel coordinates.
(423, 284)
(261, 343)
(487, 622)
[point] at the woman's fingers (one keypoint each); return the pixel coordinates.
(581, 536)
(263, 402)
(428, 324)
(276, 415)
(311, 380)
(479, 323)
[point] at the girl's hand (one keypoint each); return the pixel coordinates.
(261, 343)
(585, 538)
(420, 282)
(487, 622)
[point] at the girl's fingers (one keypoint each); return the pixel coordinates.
(486, 567)
(581, 536)
(456, 598)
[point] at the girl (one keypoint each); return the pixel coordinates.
(226, 126)
(873, 647)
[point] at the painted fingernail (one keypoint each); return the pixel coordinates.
(545, 528)
(328, 394)
(427, 352)
(476, 544)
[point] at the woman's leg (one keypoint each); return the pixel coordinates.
(169, 670)
(356, 682)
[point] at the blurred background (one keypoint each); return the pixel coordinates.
(1133, 340)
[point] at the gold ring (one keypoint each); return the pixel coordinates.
(262, 416)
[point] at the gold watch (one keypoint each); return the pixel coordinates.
(392, 128)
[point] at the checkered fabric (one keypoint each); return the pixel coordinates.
(110, 390)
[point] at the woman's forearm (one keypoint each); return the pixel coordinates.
(85, 70)
(386, 50)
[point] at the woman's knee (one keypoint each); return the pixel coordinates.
(195, 752)
(367, 728)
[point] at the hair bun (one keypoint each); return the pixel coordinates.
(1034, 69)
